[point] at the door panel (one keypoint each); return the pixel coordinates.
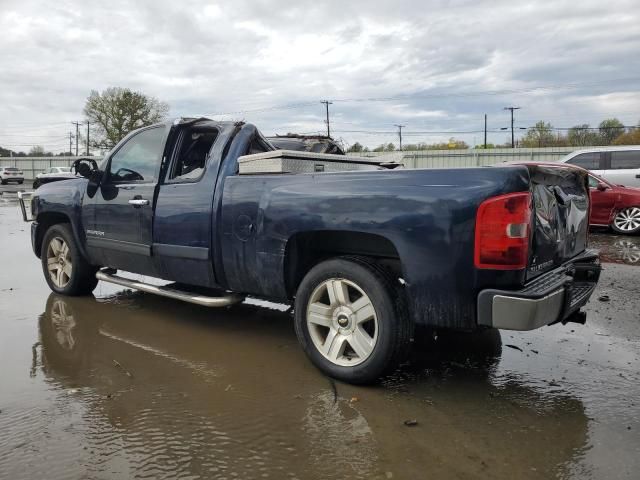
(120, 232)
(602, 203)
(182, 223)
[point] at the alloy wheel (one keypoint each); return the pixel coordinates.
(59, 264)
(628, 220)
(342, 322)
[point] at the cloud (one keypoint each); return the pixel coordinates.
(435, 58)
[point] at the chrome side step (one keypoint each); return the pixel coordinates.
(230, 299)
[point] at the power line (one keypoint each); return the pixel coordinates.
(433, 95)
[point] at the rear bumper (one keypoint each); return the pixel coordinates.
(553, 297)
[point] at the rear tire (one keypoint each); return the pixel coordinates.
(351, 320)
(65, 269)
(627, 221)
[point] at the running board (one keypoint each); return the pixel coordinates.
(224, 301)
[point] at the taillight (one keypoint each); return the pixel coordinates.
(503, 226)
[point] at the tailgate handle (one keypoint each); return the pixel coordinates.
(563, 198)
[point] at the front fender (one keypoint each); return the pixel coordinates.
(59, 202)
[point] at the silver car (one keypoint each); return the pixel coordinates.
(618, 165)
(11, 174)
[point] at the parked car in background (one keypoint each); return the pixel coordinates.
(614, 206)
(11, 174)
(617, 165)
(53, 174)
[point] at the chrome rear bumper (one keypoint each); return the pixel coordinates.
(554, 297)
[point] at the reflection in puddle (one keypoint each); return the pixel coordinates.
(616, 248)
(229, 394)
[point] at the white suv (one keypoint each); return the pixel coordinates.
(11, 174)
(618, 165)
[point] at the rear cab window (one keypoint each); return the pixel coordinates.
(191, 154)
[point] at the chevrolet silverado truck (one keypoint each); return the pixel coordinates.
(364, 256)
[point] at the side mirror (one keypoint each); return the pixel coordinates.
(88, 168)
(602, 186)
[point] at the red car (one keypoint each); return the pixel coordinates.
(614, 206)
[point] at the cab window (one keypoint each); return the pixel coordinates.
(625, 159)
(138, 159)
(191, 159)
(589, 161)
(593, 182)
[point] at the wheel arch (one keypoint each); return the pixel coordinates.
(45, 221)
(306, 249)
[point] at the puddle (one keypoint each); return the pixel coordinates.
(125, 384)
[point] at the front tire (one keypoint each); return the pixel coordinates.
(351, 320)
(65, 269)
(627, 221)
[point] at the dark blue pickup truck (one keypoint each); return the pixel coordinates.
(365, 256)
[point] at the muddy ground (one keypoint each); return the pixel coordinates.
(125, 384)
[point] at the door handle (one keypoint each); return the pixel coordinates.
(138, 202)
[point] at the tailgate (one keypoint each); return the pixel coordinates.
(560, 217)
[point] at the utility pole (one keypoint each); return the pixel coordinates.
(326, 104)
(77, 124)
(485, 131)
(70, 143)
(88, 138)
(513, 140)
(400, 127)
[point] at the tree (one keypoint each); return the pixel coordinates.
(489, 145)
(582, 135)
(117, 111)
(632, 137)
(540, 135)
(610, 129)
(385, 147)
(356, 147)
(39, 151)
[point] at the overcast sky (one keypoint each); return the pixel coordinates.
(443, 63)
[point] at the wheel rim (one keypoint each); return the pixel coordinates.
(628, 219)
(342, 322)
(59, 262)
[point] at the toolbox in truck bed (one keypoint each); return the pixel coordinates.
(290, 161)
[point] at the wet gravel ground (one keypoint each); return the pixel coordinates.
(125, 384)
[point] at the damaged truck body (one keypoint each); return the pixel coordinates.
(363, 251)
